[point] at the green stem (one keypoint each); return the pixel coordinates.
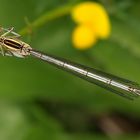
(46, 17)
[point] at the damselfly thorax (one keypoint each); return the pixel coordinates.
(13, 45)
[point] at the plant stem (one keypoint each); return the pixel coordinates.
(46, 17)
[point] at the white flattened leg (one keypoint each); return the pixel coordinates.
(8, 31)
(2, 50)
(14, 34)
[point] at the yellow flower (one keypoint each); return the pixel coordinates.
(94, 16)
(83, 37)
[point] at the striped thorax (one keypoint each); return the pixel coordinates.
(15, 46)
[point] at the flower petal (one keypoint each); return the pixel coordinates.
(83, 37)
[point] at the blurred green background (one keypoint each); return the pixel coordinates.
(38, 101)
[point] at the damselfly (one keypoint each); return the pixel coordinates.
(13, 46)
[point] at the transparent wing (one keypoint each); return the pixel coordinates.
(120, 86)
